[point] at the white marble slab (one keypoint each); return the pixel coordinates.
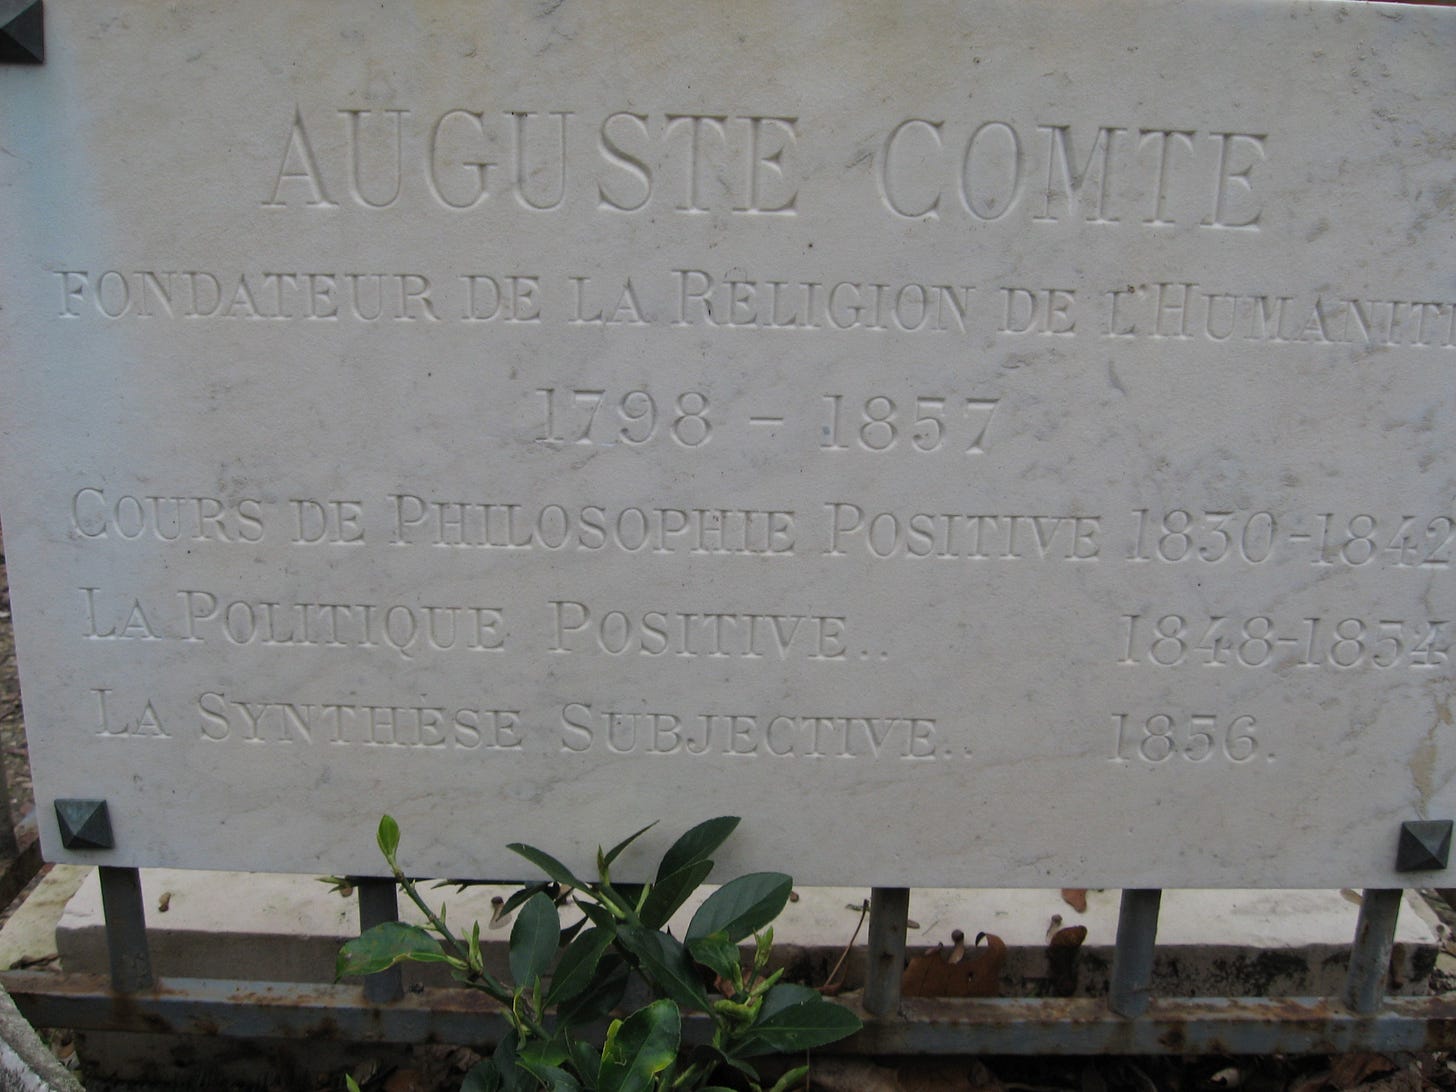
(998, 444)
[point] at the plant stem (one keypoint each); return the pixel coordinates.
(488, 984)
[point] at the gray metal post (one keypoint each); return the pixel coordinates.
(379, 903)
(126, 929)
(889, 920)
(1370, 955)
(1132, 960)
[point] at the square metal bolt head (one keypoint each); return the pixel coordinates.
(22, 32)
(1425, 845)
(85, 824)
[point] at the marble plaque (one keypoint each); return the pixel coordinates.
(981, 444)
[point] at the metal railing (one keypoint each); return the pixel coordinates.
(1130, 1020)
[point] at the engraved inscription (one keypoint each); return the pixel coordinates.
(881, 423)
(954, 535)
(1324, 539)
(571, 417)
(1164, 738)
(585, 727)
(1171, 640)
(223, 717)
(985, 171)
(1186, 311)
(740, 300)
(197, 616)
(112, 723)
(539, 160)
(578, 627)
(591, 528)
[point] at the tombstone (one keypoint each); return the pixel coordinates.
(984, 445)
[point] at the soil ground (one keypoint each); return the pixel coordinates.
(12, 725)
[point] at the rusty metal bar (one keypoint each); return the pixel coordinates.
(1131, 988)
(1223, 1025)
(379, 903)
(1370, 955)
(126, 929)
(1052, 1026)
(885, 960)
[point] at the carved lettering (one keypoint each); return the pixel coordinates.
(585, 727)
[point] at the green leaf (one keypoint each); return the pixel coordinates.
(738, 1064)
(668, 894)
(585, 1058)
(578, 964)
(541, 1052)
(762, 951)
(533, 940)
(785, 996)
(512, 1077)
(543, 1061)
(383, 946)
(697, 844)
(601, 996)
(546, 863)
(790, 1079)
(640, 1047)
(795, 1018)
(666, 962)
(521, 897)
(551, 1077)
(483, 1077)
(616, 851)
(628, 894)
(599, 915)
(350, 1084)
(570, 932)
(719, 954)
(742, 906)
(388, 837)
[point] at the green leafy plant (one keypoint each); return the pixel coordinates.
(564, 982)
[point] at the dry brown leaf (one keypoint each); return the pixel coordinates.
(944, 1075)
(1407, 1080)
(982, 1079)
(932, 974)
(406, 1080)
(1076, 898)
(1062, 960)
(1352, 1070)
(1073, 936)
(853, 1075)
(26, 962)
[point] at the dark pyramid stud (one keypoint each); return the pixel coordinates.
(1425, 845)
(85, 824)
(22, 32)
